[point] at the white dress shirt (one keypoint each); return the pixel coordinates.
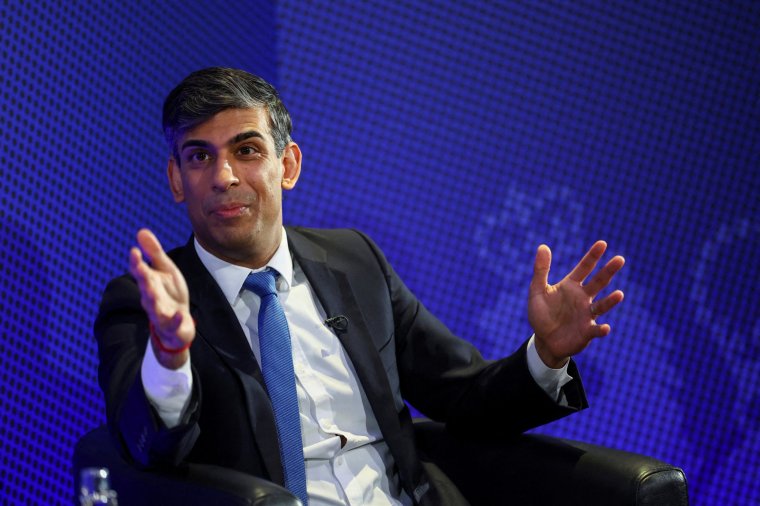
(331, 401)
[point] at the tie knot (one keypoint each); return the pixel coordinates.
(261, 283)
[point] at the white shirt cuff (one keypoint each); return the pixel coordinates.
(168, 390)
(550, 380)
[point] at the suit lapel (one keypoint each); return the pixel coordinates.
(218, 326)
(336, 294)
(336, 289)
(215, 320)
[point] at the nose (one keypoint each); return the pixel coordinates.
(224, 176)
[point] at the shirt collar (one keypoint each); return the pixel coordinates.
(230, 277)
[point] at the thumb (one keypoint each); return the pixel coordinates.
(541, 270)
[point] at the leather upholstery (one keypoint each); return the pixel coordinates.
(188, 485)
(525, 470)
(533, 469)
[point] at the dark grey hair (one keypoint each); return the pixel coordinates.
(206, 92)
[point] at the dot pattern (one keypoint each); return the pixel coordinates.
(81, 88)
(460, 135)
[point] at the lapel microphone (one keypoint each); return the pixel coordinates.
(337, 323)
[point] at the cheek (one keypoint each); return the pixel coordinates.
(267, 185)
(275, 196)
(193, 200)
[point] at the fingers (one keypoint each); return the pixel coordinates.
(150, 279)
(599, 308)
(588, 262)
(137, 266)
(602, 278)
(163, 291)
(149, 244)
(598, 331)
(144, 276)
(602, 306)
(541, 270)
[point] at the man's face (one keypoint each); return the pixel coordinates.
(229, 176)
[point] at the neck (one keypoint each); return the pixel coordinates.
(252, 256)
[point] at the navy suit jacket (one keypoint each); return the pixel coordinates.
(399, 350)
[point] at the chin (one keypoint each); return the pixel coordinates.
(242, 245)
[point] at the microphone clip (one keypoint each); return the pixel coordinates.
(337, 323)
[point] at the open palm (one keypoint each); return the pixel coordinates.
(563, 316)
(163, 292)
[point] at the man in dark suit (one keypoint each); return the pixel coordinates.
(181, 351)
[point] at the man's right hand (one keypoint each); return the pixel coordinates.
(164, 297)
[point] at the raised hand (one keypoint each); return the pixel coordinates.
(164, 297)
(563, 316)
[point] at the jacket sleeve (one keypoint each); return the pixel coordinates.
(447, 379)
(121, 331)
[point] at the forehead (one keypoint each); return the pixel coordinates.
(222, 127)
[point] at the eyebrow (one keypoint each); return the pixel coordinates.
(193, 142)
(242, 136)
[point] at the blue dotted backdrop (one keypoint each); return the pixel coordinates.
(460, 136)
(83, 168)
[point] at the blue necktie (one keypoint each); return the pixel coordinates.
(277, 367)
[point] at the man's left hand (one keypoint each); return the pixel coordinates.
(563, 316)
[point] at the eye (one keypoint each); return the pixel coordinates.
(248, 151)
(197, 158)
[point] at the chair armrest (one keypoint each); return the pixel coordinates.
(193, 484)
(543, 470)
(630, 478)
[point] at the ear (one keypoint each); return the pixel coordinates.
(291, 165)
(175, 180)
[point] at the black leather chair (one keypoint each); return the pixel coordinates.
(525, 470)
(191, 485)
(541, 470)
